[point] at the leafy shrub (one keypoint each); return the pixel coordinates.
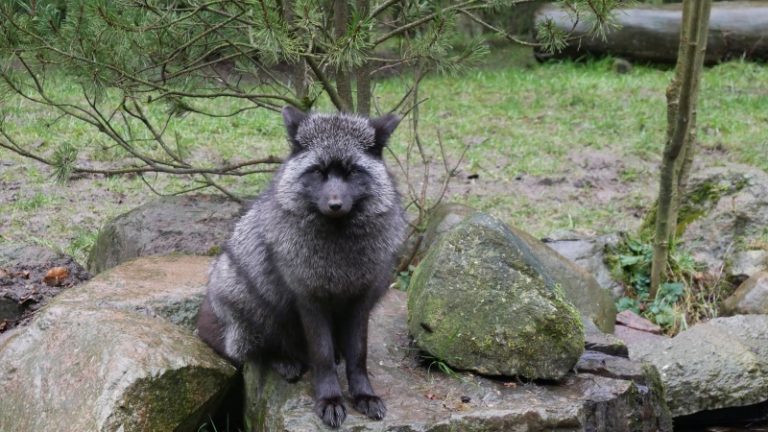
(687, 296)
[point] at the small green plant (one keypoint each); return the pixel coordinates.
(81, 244)
(684, 298)
(36, 201)
(404, 278)
(210, 426)
(442, 367)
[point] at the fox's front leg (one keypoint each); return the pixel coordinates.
(319, 336)
(354, 345)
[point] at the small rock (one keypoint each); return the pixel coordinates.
(746, 263)
(621, 66)
(632, 337)
(730, 200)
(751, 297)
(589, 253)
(632, 320)
(596, 340)
(606, 365)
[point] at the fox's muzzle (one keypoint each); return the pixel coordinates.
(335, 200)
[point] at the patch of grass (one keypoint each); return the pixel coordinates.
(35, 202)
(520, 117)
(81, 244)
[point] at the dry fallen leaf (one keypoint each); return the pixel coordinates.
(430, 396)
(56, 276)
(3, 273)
(510, 384)
(25, 274)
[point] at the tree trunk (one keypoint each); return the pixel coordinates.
(343, 77)
(651, 33)
(298, 70)
(362, 73)
(681, 110)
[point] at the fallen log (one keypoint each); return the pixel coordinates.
(651, 33)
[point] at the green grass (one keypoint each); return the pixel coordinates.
(521, 118)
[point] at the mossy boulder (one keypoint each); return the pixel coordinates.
(440, 220)
(478, 301)
(732, 201)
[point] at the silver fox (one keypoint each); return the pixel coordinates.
(296, 282)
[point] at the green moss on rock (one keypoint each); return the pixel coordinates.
(476, 303)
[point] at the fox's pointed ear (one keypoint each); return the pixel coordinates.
(293, 118)
(383, 126)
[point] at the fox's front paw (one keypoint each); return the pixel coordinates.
(331, 411)
(370, 405)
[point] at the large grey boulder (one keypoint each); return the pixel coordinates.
(589, 254)
(106, 356)
(718, 364)
(732, 201)
(751, 297)
(476, 303)
(608, 394)
(189, 224)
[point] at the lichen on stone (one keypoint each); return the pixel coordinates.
(476, 303)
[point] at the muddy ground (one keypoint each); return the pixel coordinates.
(615, 192)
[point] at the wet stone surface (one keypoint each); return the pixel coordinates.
(611, 394)
(108, 355)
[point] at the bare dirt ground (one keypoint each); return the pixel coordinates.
(593, 187)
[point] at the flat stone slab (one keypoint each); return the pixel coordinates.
(169, 287)
(107, 356)
(420, 397)
(721, 363)
(751, 297)
(596, 340)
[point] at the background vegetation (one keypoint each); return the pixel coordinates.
(517, 116)
(551, 147)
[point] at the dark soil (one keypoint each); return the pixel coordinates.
(23, 285)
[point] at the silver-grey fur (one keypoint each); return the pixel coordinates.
(309, 260)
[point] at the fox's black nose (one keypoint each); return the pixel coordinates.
(334, 205)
